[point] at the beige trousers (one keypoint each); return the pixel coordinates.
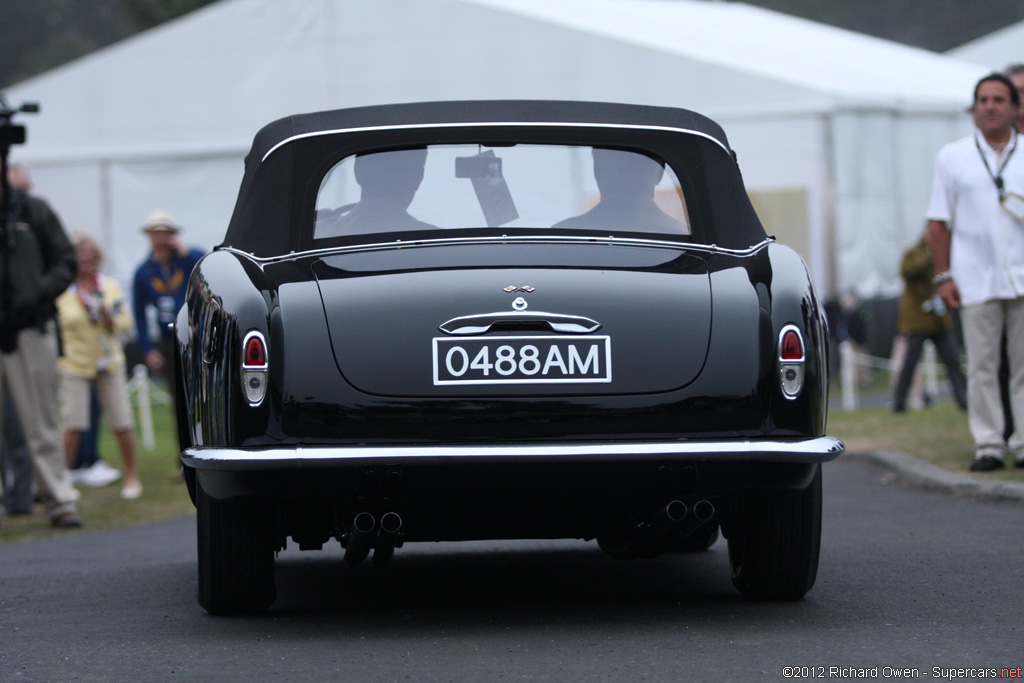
(33, 380)
(983, 328)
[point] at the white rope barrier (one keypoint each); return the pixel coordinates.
(852, 362)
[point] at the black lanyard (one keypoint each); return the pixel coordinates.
(997, 177)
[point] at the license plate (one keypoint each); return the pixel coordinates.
(562, 359)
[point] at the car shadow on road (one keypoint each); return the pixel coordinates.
(477, 583)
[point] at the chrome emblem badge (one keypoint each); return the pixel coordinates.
(526, 289)
(519, 304)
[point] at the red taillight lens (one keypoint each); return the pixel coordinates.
(792, 348)
(255, 353)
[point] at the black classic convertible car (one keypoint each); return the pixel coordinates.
(496, 320)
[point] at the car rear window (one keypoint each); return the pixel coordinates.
(462, 186)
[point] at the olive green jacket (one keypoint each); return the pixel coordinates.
(918, 303)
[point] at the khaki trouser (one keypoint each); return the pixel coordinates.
(983, 328)
(33, 381)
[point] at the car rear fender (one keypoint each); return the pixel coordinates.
(228, 297)
(795, 303)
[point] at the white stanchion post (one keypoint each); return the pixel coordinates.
(140, 377)
(931, 371)
(848, 368)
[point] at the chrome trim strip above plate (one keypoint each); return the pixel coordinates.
(481, 323)
(817, 449)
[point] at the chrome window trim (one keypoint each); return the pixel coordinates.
(491, 124)
(501, 239)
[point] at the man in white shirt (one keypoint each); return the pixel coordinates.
(976, 233)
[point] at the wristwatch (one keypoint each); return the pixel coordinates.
(939, 278)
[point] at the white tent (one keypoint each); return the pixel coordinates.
(836, 132)
(996, 50)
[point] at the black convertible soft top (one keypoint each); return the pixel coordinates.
(290, 155)
(486, 111)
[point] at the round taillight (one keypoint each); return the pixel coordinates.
(792, 348)
(255, 353)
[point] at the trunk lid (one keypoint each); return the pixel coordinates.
(581, 320)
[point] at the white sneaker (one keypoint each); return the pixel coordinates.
(131, 491)
(100, 474)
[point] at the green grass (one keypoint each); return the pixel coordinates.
(164, 494)
(938, 434)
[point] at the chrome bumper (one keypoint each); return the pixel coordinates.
(817, 449)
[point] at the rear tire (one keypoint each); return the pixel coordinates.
(236, 555)
(775, 540)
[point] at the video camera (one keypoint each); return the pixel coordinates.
(11, 134)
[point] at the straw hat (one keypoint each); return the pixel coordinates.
(161, 221)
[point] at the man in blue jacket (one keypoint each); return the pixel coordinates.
(160, 285)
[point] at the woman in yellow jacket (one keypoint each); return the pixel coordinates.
(93, 315)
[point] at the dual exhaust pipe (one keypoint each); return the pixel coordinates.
(702, 511)
(368, 534)
(673, 522)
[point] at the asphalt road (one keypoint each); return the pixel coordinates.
(909, 578)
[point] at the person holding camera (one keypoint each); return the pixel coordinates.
(37, 265)
(15, 459)
(94, 316)
(160, 285)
